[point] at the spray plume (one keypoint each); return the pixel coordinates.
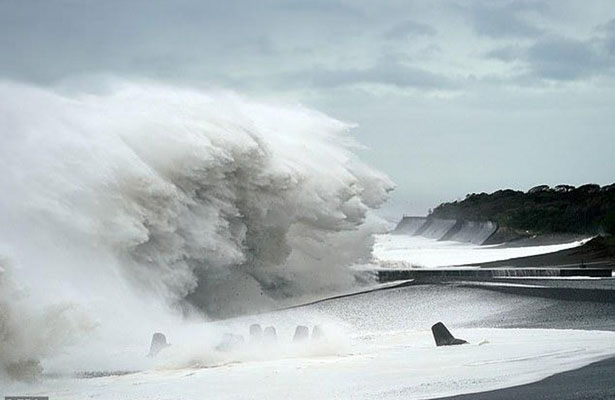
(119, 207)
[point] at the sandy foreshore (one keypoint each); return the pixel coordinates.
(597, 252)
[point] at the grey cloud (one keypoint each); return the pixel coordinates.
(506, 53)
(608, 26)
(608, 30)
(563, 59)
(181, 40)
(566, 59)
(407, 28)
(386, 73)
(499, 19)
(327, 7)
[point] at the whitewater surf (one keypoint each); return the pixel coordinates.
(144, 206)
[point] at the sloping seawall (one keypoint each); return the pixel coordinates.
(409, 225)
(477, 232)
(435, 228)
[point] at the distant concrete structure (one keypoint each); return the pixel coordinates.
(476, 232)
(256, 332)
(443, 336)
(409, 225)
(436, 228)
(301, 333)
(270, 334)
(440, 274)
(159, 342)
(457, 230)
(229, 342)
(317, 333)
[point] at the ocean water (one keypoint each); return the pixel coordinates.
(376, 345)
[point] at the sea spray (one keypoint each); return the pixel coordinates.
(134, 209)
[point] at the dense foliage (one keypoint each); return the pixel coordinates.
(563, 208)
(609, 223)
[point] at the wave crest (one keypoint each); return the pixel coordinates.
(149, 193)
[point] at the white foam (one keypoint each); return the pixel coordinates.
(417, 251)
(378, 346)
(384, 365)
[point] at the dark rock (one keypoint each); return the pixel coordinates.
(443, 337)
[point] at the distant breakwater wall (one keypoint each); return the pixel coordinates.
(443, 274)
(477, 232)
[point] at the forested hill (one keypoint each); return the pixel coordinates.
(542, 209)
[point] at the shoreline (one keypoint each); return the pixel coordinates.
(594, 381)
(598, 251)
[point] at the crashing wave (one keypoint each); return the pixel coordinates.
(151, 194)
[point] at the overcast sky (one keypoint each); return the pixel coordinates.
(451, 97)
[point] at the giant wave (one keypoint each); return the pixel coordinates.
(121, 208)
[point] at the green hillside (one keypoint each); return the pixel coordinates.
(561, 209)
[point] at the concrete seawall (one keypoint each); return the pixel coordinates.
(477, 232)
(435, 228)
(409, 225)
(439, 274)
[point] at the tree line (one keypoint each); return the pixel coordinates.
(542, 209)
